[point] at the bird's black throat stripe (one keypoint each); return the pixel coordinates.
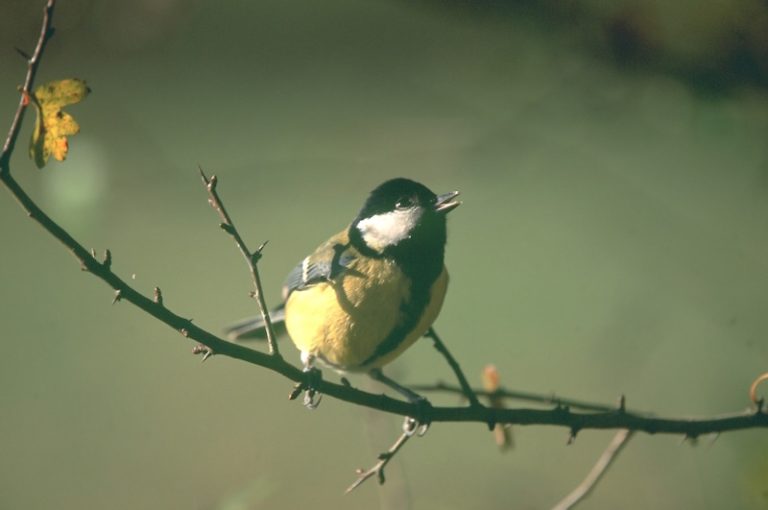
(421, 260)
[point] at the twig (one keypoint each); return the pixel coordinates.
(516, 395)
(753, 390)
(618, 442)
(33, 62)
(409, 428)
(251, 258)
(442, 349)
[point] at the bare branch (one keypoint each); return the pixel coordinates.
(501, 392)
(618, 442)
(409, 429)
(442, 349)
(251, 258)
(33, 62)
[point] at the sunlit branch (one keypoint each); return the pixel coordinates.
(618, 442)
(251, 258)
(33, 62)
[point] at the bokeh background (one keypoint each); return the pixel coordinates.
(614, 167)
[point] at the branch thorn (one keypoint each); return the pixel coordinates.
(210, 182)
(206, 351)
(157, 296)
(23, 53)
(256, 256)
(118, 296)
(107, 259)
(296, 391)
(202, 174)
(690, 437)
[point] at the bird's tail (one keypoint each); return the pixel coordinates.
(253, 327)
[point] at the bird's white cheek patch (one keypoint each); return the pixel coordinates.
(384, 230)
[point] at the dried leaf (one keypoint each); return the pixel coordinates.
(492, 382)
(53, 125)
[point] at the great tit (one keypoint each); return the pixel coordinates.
(369, 292)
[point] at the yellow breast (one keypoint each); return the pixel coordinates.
(344, 321)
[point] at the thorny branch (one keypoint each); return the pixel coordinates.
(600, 417)
(551, 399)
(33, 62)
(251, 258)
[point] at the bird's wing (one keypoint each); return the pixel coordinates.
(328, 261)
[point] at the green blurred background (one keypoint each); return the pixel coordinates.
(614, 167)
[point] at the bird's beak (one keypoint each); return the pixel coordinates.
(446, 202)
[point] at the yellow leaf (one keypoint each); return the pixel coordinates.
(52, 125)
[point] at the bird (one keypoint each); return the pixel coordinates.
(369, 292)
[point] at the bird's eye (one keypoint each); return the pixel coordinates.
(404, 203)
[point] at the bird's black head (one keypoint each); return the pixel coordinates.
(402, 219)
